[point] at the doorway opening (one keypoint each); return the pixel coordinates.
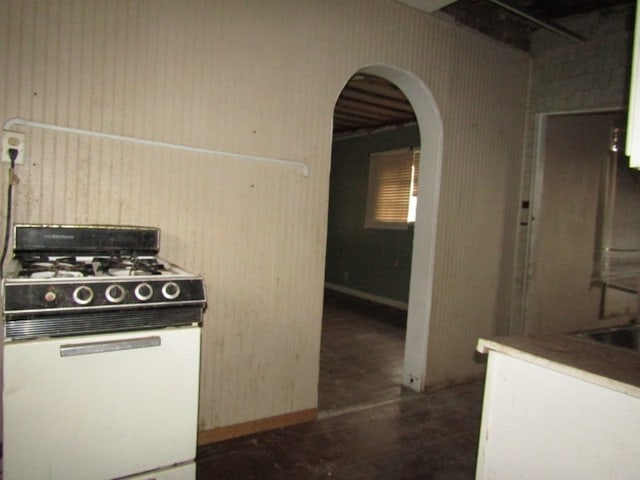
(584, 258)
(395, 285)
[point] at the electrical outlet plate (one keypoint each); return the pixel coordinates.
(13, 140)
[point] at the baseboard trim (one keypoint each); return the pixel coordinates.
(390, 302)
(254, 426)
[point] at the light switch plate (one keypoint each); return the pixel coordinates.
(13, 140)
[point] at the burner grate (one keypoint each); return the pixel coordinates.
(61, 267)
(44, 266)
(129, 266)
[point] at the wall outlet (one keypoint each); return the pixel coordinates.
(13, 140)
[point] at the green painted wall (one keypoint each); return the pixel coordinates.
(377, 262)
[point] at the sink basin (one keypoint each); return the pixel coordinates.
(626, 336)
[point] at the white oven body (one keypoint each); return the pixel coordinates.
(102, 406)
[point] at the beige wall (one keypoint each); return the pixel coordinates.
(260, 78)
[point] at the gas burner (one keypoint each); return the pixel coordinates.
(54, 267)
(130, 272)
(130, 266)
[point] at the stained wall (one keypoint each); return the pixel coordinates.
(260, 78)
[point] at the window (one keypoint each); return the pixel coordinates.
(392, 194)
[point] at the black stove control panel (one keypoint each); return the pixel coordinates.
(91, 294)
(86, 239)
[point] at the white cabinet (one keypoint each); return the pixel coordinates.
(633, 122)
(552, 411)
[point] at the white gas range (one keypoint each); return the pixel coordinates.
(101, 356)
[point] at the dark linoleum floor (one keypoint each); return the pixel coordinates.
(369, 427)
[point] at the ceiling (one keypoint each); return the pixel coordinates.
(367, 102)
(513, 21)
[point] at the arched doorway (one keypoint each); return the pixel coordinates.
(424, 236)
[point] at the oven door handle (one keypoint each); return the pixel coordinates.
(72, 350)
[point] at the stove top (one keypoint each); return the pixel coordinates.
(80, 270)
(46, 267)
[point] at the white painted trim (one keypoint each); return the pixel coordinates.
(367, 296)
(534, 214)
(91, 133)
(424, 235)
(581, 111)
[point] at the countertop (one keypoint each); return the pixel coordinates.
(610, 367)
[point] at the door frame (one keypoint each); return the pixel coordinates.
(522, 323)
(424, 236)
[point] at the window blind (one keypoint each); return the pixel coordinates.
(393, 179)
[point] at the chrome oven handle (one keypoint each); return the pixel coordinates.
(71, 350)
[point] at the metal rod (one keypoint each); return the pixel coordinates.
(91, 133)
(92, 348)
(554, 28)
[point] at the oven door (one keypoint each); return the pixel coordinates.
(102, 406)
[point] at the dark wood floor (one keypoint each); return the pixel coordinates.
(361, 353)
(369, 427)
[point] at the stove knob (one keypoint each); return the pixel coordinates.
(143, 292)
(114, 293)
(170, 290)
(83, 295)
(50, 296)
